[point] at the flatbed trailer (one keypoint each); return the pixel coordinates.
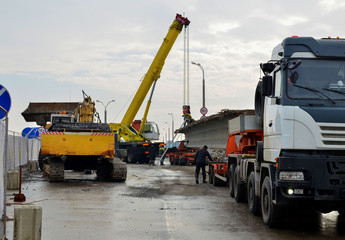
(181, 155)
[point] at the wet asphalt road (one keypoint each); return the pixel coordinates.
(157, 202)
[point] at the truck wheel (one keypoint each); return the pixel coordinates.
(210, 175)
(130, 158)
(239, 188)
(231, 176)
(272, 215)
(341, 212)
(253, 200)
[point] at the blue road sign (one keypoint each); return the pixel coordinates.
(5, 101)
(30, 132)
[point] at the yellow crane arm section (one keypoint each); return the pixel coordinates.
(155, 69)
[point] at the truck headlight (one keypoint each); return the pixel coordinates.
(291, 176)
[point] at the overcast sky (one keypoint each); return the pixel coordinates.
(52, 50)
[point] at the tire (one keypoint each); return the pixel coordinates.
(231, 175)
(216, 181)
(177, 161)
(272, 215)
(183, 161)
(210, 175)
(130, 158)
(239, 188)
(253, 200)
(341, 212)
(259, 104)
(259, 156)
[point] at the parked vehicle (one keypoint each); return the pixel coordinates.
(299, 154)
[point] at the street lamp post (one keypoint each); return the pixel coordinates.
(168, 132)
(172, 126)
(105, 109)
(203, 82)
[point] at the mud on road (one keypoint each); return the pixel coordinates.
(157, 202)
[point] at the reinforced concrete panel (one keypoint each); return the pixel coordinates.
(214, 134)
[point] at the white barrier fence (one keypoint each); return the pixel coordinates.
(20, 150)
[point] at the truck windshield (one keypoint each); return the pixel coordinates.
(316, 79)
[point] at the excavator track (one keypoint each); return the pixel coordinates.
(54, 169)
(112, 169)
(119, 170)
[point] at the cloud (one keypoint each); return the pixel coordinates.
(332, 5)
(293, 20)
(221, 27)
(105, 47)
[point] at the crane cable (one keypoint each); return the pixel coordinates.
(129, 98)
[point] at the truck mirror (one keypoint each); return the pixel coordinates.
(267, 68)
(266, 89)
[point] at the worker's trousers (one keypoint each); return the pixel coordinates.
(197, 170)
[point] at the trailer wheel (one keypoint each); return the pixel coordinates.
(216, 181)
(231, 176)
(272, 215)
(183, 161)
(210, 174)
(253, 200)
(239, 188)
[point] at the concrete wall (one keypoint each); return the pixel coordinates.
(214, 134)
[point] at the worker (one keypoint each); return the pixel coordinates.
(200, 162)
(187, 117)
(161, 150)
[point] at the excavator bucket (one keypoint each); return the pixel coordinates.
(41, 112)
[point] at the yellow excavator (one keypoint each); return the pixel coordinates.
(73, 141)
(137, 142)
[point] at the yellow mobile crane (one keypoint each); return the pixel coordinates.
(136, 143)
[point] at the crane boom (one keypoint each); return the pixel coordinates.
(155, 69)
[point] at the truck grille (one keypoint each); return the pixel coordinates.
(336, 167)
(333, 135)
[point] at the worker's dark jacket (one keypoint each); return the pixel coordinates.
(152, 153)
(201, 155)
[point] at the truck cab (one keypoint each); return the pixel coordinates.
(300, 103)
(305, 102)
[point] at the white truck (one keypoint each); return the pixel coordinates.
(300, 105)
